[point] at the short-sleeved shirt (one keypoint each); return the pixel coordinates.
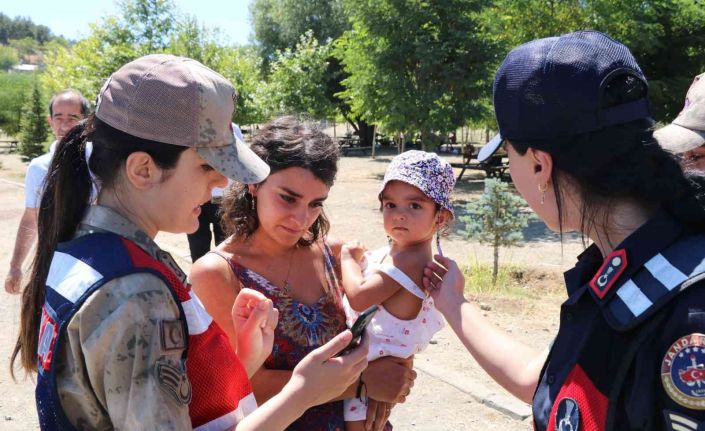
(601, 374)
(34, 179)
(104, 365)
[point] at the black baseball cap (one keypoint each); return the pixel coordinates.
(554, 87)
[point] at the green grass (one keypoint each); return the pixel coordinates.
(513, 280)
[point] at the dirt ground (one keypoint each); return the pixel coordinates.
(436, 403)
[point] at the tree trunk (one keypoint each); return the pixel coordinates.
(495, 266)
(425, 136)
(374, 142)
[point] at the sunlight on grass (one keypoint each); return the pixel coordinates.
(518, 281)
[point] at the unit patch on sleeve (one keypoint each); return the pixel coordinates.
(683, 371)
(48, 332)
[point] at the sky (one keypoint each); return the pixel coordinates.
(70, 18)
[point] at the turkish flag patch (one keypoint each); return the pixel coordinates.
(614, 265)
(48, 332)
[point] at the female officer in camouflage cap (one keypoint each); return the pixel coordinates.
(630, 351)
(116, 335)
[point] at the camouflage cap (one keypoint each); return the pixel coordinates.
(179, 101)
(687, 131)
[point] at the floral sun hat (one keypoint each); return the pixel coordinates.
(425, 171)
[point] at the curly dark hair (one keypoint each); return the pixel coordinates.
(284, 142)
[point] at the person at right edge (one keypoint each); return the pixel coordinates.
(630, 350)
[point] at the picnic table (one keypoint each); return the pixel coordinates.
(8, 145)
(494, 167)
(348, 144)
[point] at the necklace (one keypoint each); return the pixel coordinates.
(287, 286)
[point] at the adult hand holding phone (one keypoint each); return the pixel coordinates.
(322, 375)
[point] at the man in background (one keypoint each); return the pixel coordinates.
(685, 136)
(66, 109)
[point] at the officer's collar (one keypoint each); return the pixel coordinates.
(653, 236)
(104, 219)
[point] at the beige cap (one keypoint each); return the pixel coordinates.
(687, 131)
(179, 101)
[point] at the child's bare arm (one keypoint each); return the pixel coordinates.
(363, 292)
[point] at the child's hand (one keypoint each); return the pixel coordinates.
(355, 250)
(445, 283)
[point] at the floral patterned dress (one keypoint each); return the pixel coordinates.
(301, 329)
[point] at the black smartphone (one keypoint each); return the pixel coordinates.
(358, 329)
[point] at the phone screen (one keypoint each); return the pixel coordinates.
(358, 329)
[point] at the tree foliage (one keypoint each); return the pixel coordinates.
(667, 37)
(296, 77)
(115, 41)
(416, 65)
(497, 218)
(15, 89)
(279, 24)
(20, 28)
(34, 129)
(8, 57)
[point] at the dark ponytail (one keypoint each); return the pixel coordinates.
(65, 198)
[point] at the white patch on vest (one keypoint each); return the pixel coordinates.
(634, 298)
(227, 422)
(71, 277)
(664, 272)
(197, 318)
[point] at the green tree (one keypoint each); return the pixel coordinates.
(34, 129)
(497, 218)
(279, 25)
(87, 64)
(240, 65)
(150, 21)
(14, 90)
(295, 79)
(416, 65)
(8, 57)
(667, 37)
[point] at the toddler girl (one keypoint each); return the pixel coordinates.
(415, 204)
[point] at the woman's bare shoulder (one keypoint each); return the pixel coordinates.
(212, 273)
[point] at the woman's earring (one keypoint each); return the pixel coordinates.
(543, 192)
(253, 202)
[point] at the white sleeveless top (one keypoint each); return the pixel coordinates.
(389, 335)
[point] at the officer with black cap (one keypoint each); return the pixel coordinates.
(630, 350)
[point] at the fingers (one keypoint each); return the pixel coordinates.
(262, 314)
(270, 324)
(373, 413)
(331, 348)
(445, 261)
(246, 301)
(386, 412)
